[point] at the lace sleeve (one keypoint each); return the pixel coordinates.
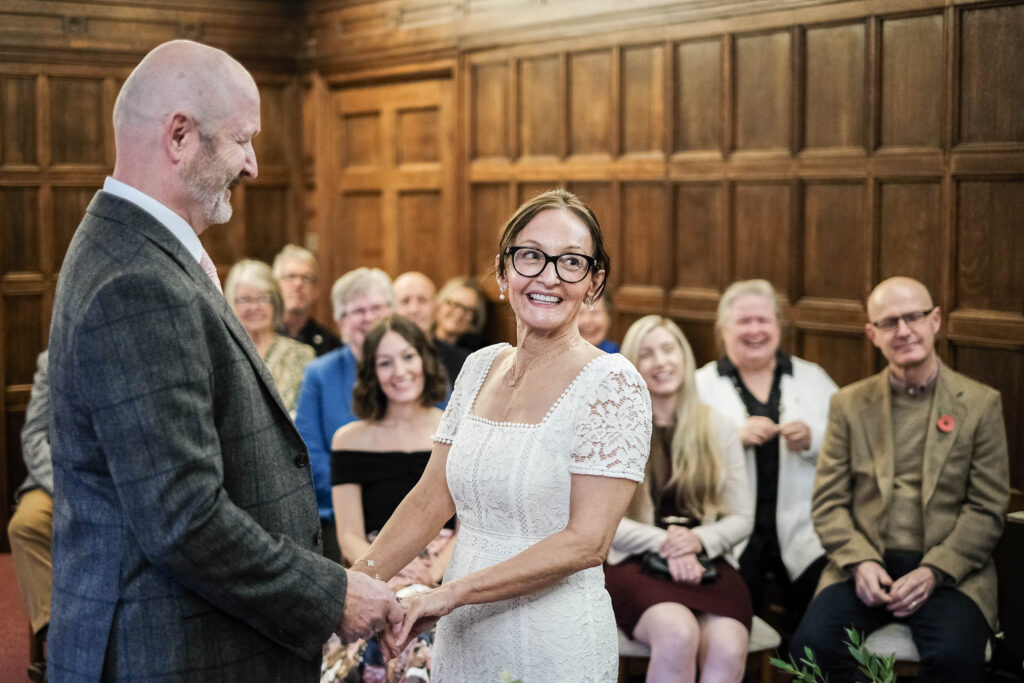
(612, 435)
(464, 392)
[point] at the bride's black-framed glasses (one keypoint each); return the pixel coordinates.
(569, 267)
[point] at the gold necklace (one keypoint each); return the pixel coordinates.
(547, 361)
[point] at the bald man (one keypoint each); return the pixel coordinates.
(909, 500)
(414, 297)
(186, 540)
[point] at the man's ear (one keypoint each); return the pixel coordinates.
(870, 332)
(180, 133)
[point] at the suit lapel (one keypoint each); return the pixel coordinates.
(877, 420)
(153, 230)
(938, 444)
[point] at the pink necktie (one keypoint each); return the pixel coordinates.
(206, 263)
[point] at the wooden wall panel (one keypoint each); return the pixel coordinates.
(642, 100)
(600, 197)
(528, 190)
(19, 216)
(18, 120)
(540, 126)
(837, 249)
(834, 100)
(275, 141)
(845, 356)
(24, 336)
(419, 135)
(363, 139)
(490, 207)
(698, 96)
(647, 244)
(590, 103)
(992, 57)
(910, 232)
(912, 78)
(420, 246)
(762, 232)
(489, 122)
(266, 230)
(703, 339)
(700, 231)
(77, 121)
(764, 87)
(990, 245)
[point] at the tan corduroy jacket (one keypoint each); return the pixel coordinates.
(964, 488)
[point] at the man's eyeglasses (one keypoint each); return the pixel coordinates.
(461, 308)
(306, 278)
(376, 309)
(261, 300)
(893, 321)
(569, 267)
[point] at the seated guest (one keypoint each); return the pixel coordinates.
(297, 274)
(779, 405)
(694, 501)
(594, 322)
(360, 298)
(909, 500)
(376, 461)
(414, 298)
(255, 298)
(461, 313)
(31, 527)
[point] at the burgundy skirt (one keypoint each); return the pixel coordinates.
(633, 592)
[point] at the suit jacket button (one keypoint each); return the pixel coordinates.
(301, 460)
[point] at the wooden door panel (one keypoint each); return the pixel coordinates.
(837, 250)
(19, 216)
(764, 85)
(911, 82)
(990, 245)
(18, 120)
(992, 59)
(910, 232)
(834, 99)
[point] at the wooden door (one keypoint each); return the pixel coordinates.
(392, 184)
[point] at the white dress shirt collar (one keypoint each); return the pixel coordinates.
(178, 226)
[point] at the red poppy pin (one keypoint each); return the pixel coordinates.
(946, 423)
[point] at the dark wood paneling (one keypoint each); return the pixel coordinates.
(490, 207)
(642, 99)
(764, 85)
(277, 121)
(992, 57)
(703, 339)
(700, 231)
(590, 103)
(834, 102)
(363, 218)
(18, 120)
(363, 139)
(600, 198)
(990, 245)
(77, 121)
(419, 135)
(540, 133)
(912, 76)
(421, 246)
(698, 95)
(845, 356)
(909, 232)
(647, 247)
(13, 471)
(489, 121)
(266, 229)
(23, 336)
(19, 218)
(69, 204)
(763, 232)
(837, 257)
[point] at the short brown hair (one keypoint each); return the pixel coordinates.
(368, 399)
(556, 199)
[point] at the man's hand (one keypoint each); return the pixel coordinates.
(872, 583)
(797, 435)
(756, 430)
(685, 568)
(680, 541)
(370, 606)
(910, 591)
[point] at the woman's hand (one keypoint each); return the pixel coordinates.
(797, 435)
(756, 430)
(680, 541)
(422, 611)
(685, 569)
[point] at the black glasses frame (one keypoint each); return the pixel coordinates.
(592, 262)
(893, 321)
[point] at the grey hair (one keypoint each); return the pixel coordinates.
(293, 252)
(758, 287)
(360, 281)
(255, 274)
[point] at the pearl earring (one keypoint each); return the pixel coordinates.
(501, 290)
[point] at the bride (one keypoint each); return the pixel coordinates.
(539, 452)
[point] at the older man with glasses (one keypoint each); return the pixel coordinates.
(295, 270)
(909, 500)
(360, 298)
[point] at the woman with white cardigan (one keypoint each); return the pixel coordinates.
(682, 524)
(778, 405)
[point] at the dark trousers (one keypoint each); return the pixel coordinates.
(949, 630)
(761, 563)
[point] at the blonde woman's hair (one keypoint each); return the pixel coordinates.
(695, 456)
(256, 274)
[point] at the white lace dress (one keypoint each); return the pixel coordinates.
(510, 483)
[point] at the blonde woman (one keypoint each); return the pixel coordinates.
(682, 524)
(255, 297)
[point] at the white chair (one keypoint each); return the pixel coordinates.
(763, 641)
(895, 639)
